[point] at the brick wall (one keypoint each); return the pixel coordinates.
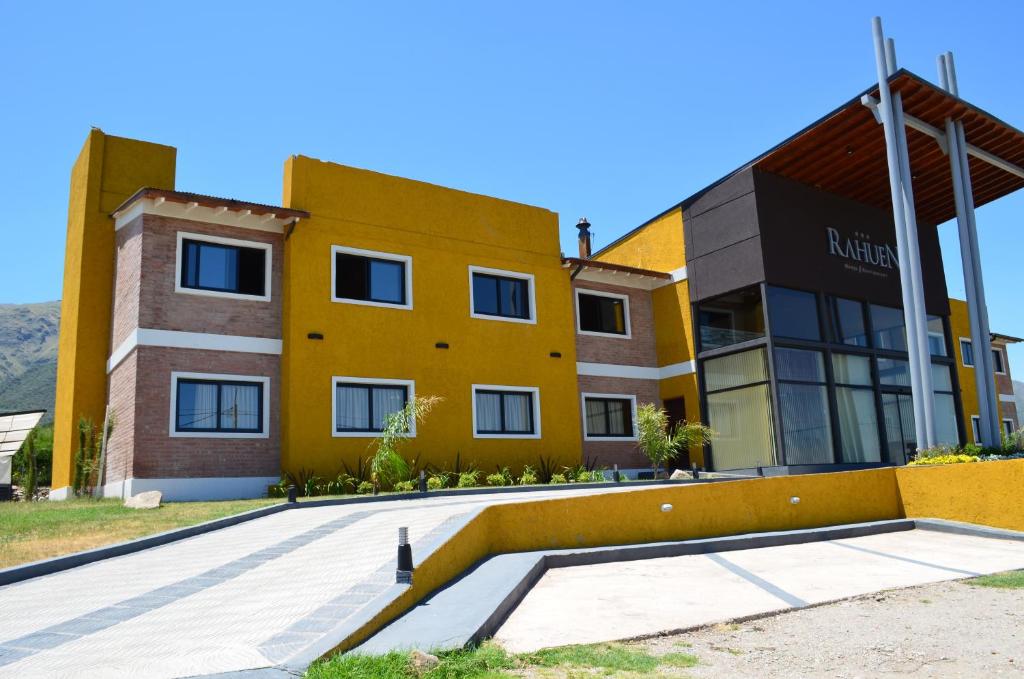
(623, 453)
(122, 400)
(157, 455)
(639, 349)
(161, 307)
(127, 279)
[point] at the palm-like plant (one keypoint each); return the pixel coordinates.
(387, 465)
(659, 443)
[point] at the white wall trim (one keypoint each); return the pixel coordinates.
(406, 261)
(635, 372)
(1009, 421)
(336, 380)
(1007, 398)
(177, 339)
(268, 258)
(632, 415)
(191, 489)
(611, 295)
(530, 286)
(200, 213)
(172, 429)
(1002, 360)
(500, 387)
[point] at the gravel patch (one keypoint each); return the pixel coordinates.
(948, 629)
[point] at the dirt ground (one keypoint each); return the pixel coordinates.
(949, 629)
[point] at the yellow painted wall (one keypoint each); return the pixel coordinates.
(445, 231)
(986, 493)
(960, 326)
(658, 245)
(108, 170)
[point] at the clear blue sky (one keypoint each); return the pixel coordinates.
(609, 109)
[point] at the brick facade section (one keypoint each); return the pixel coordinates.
(639, 349)
(157, 455)
(623, 453)
(127, 282)
(122, 399)
(162, 308)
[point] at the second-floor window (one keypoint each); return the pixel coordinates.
(223, 266)
(372, 278)
(504, 295)
(602, 313)
(967, 352)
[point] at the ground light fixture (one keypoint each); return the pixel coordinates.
(665, 508)
(403, 575)
(794, 500)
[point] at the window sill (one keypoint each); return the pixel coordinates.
(610, 335)
(610, 439)
(217, 435)
(505, 436)
(507, 319)
(366, 302)
(364, 434)
(225, 295)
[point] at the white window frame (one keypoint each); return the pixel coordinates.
(976, 428)
(960, 348)
(172, 429)
(1002, 357)
(583, 410)
(530, 284)
(504, 387)
(410, 386)
(612, 295)
(1007, 421)
(406, 261)
(268, 282)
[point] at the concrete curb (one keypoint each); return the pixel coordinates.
(974, 529)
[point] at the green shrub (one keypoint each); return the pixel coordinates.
(659, 442)
(437, 481)
(469, 479)
(545, 469)
(364, 488)
(528, 477)
(405, 486)
(502, 477)
(953, 458)
(557, 478)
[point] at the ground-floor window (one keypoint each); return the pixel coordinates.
(609, 417)
(218, 405)
(1008, 427)
(361, 405)
(739, 410)
(506, 412)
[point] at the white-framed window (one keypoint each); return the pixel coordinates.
(966, 352)
(998, 362)
(976, 428)
(1007, 426)
(603, 314)
(609, 417)
(223, 267)
(208, 405)
(506, 412)
(499, 295)
(359, 405)
(371, 278)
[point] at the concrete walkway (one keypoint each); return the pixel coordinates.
(241, 598)
(603, 602)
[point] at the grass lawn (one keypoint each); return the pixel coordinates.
(490, 661)
(1007, 580)
(30, 531)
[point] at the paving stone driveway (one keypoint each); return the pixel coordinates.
(239, 598)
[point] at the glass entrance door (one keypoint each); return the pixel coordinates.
(898, 411)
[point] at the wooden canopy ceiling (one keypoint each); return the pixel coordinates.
(844, 152)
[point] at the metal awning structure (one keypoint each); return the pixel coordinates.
(14, 428)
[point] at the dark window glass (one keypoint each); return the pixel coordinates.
(504, 412)
(501, 296)
(369, 279)
(219, 406)
(731, 319)
(967, 351)
(223, 268)
(364, 407)
(806, 427)
(936, 336)
(609, 416)
(793, 313)
(602, 314)
(847, 318)
(888, 326)
(997, 361)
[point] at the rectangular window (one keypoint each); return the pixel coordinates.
(505, 412)
(223, 266)
(997, 361)
(731, 319)
(361, 406)
(967, 352)
(1007, 427)
(504, 295)
(936, 336)
(889, 328)
(976, 428)
(847, 318)
(221, 406)
(371, 278)
(740, 410)
(793, 313)
(602, 313)
(803, 406)
(608, 416)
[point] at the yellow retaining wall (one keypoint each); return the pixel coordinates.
(987, 493)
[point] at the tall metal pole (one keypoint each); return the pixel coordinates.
(899, 218)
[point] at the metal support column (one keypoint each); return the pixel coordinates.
(901, 194)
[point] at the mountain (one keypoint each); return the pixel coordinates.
(28, 356)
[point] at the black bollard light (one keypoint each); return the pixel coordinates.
(403, 575)
(693, 470)
(423, 481)
(292, 494)
(615, 474)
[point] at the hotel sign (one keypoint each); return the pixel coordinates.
(861, 254)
